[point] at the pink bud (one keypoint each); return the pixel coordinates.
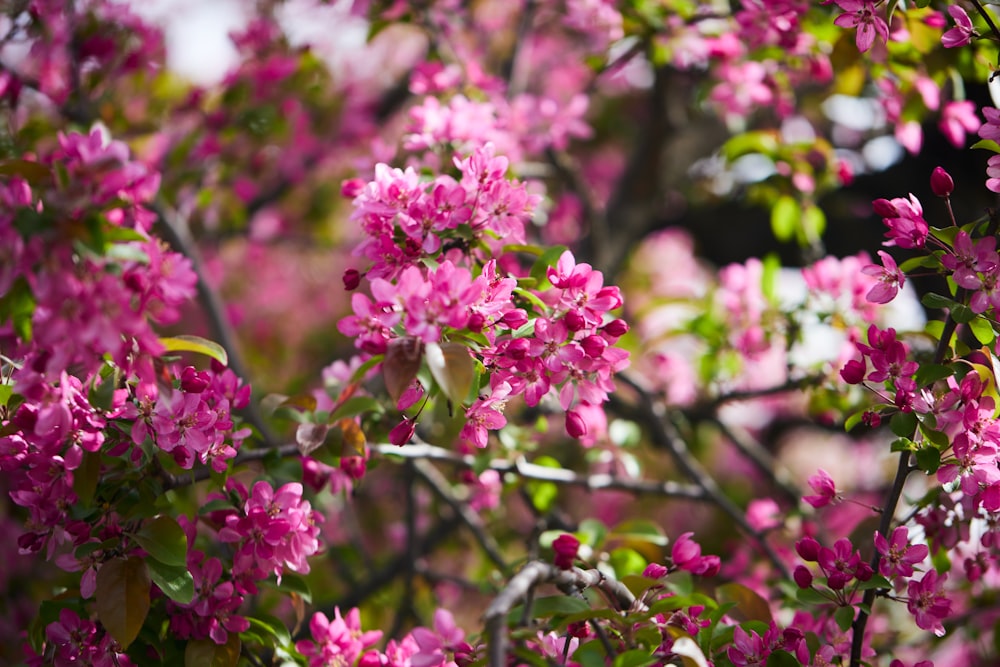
(351, 187)
(193, 382)
(574, 321)
(853, 372)
(476, 322)
(576, 427)
(354, 466)
(515, 318)
(616, 328)
(941, 182)
(352, 278)
(885, 208)
(802, 576)
(655, 571)
(808, 549)
(565, 547)
(594, 346)
(402, 432)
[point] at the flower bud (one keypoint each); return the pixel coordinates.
(941, 183)
(853, 372)
(885, 208)
(808, 549)
(515, 318)
(352, 278)
(476, 322)
(616, 328)
(576, 427)
(594, 346)
(193, 382)
(655, 571)
(565, 547)
(351, 187)
(802, 576)
(402, 432)
(574, 320)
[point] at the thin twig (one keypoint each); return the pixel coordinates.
(439, 485)
(666, 436)
(534, 574)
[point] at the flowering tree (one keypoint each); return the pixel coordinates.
(502, 412)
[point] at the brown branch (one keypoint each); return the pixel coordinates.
(439, 485)
(571, 582)
(665, 436)
(531, 471)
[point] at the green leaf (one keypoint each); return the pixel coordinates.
(627, 561)
(782, 659)
(164, 540)
(86, 476)
(557, 605)
(786, 217)
(196, 344)
(929, 373)
(962, 314)
(206, 653)
(33, 172)
(175, 581)
(811, 596)
(122, 597)
(18, 306)
(813, 224)
(634, 658)
(902, 445)
(641, 530)
(903, 424)
(928, 459)
(453, 369)
(982, 330)
(876, 581)
(937, 301)
(750, 606)
(988, 144)
(844, 618)
(401, 364)
(854, 420)
(294, 583)
(354, 406)
(269, 626)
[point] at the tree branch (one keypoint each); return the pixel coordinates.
(536, 573)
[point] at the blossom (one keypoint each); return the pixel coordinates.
(962, 33)
(861, 14)
(928, 603)
(686, 554)
(898, 555)
(825, 490)
(957, 118)
(890, 279)
(565, 547)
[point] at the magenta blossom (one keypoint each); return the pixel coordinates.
(962, 33)
(890, 279)
(861, 14)
(825, 490)
(898, 555)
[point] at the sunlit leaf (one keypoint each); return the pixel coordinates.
(122, 597)
(175, 581)
(453, 369)
(164, 540)
(354, 438)
(206, 653)
(309, 437)
(750, 605)
(196, 344)
(401, 364)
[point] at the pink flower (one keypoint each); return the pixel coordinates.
(928, 603)
(962, 33)
(861, 14)
(686, 554)
(566, 547)
(957, 118)
(898, 556)
(890, 279)
(825, 490)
